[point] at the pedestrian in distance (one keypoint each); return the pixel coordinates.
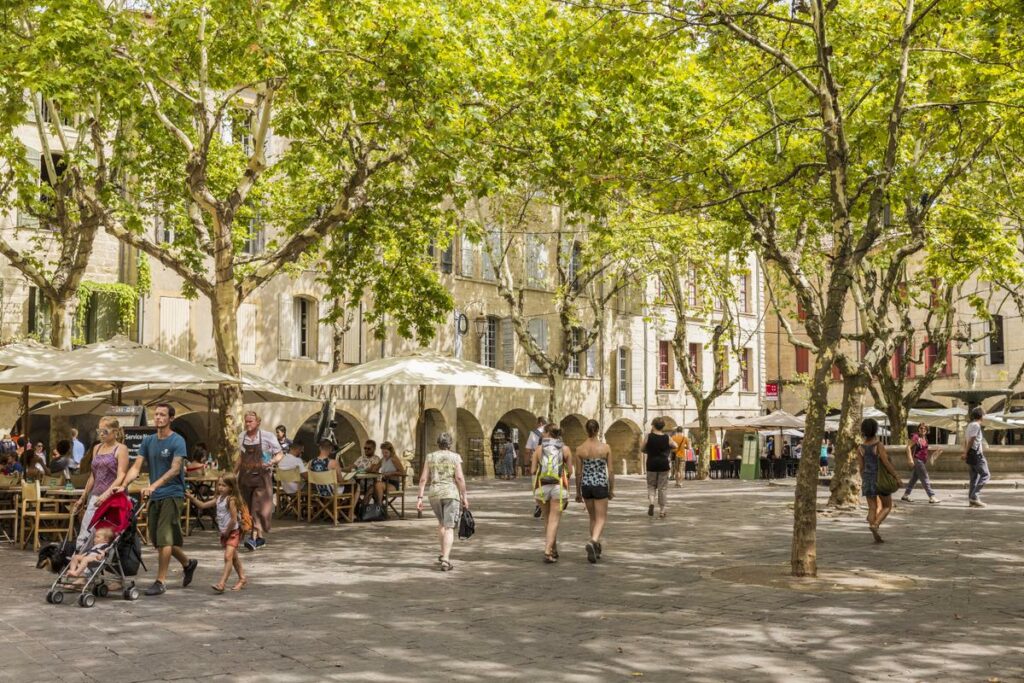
(260, 452)
(919, 455)
(871, 456)
(551, 469)
(231, 518)
(164, 452)
(974, 456)
(595, 485)
(682, 443)
(659, 449)
(447, 495)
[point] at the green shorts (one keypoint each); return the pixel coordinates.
(165, 522)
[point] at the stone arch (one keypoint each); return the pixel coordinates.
(670, 423)
(347, 429)
(623, 437)
(435, 424)
(469, 442)
(516, 424)
(573, 430)
(192, 427)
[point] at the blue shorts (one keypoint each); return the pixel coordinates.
(869, 485)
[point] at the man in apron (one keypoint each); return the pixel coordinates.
(260, 452)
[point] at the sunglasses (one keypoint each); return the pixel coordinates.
(102, 432)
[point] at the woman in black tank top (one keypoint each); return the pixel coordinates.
(658, 447)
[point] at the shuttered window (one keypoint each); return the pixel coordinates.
(247, 334)
(803, 363)
(352, 353)
(174, 326)
(538, 329)
(537, 259)
(508, 335)
(622, 368)
(467, 260)
(665, 370)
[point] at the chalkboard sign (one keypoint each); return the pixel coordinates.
(133, 438)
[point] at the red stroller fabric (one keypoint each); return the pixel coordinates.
(114, 513)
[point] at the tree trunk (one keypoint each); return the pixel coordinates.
(62, 321)
(224, 309)
(804, 552)
(844, 491)
(703, 440)
(898, 424)
(557, 383)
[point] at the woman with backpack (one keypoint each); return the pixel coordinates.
(443, 469)
(659, 448)
(551, 468)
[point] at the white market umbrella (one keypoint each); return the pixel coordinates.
(113, 363)
(718, 422)
(422, 369)
(29, 354)
(779, 419)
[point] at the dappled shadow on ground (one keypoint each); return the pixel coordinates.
(364, 602)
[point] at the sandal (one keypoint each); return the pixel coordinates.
(218, 587)
(554, 551)
(240, 585)
(446, 566)
(874, 532)
(549, 558)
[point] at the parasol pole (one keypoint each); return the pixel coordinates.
(423, 432)
(25, 413)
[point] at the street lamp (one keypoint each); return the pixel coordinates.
(480, 324)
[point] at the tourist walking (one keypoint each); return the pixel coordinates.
(871, 456)
(164, 454)
(77, 449)
(535, 437)
(551, 469)
(108, 470)
(595, 485)
(659, 449)
(974, 456)
(682, 444)
(507, 449)
(230, 514)
(260, 451)
(443, 470)
(918, 454)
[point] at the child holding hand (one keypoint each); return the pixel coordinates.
(230, 513)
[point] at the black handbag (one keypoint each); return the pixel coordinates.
(373, 512)
(467, 525)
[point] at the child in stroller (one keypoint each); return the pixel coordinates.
(96, 551)
(110, 556)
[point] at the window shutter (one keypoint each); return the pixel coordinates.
(636, 374)
(458, 337)
(466, 267)
(285, 326)
(352, 353)
(324, 336)
(592, 360)
(247, 334)
(508, 336)
(174, 326)
(34, 160)
(543, 258)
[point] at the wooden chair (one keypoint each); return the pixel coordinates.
(37, 509)
(9, 505)
(328, 506)
(391, 495)
(288, 503)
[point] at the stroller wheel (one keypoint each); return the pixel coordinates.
(49, 598)
(131, 593)
(102, 590)
(56, 597)
(86, 600)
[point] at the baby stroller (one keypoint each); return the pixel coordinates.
(121, 561)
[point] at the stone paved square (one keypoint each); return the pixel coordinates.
(364, 602)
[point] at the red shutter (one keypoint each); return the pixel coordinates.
(948, 370)
(837, 374)
(802, 364)
(801, 314)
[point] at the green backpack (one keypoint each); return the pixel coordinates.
(552, 463)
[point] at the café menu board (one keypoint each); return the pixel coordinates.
(133, 438)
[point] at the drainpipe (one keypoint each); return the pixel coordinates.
(643, 464)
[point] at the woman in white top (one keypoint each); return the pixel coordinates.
(974, 456)
(443, 469)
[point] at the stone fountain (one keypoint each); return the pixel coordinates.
(972, 395)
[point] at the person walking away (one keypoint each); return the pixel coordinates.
(974, 456)
(230, 515)
(77, 449)
(918, 454)
(534, 439)
(109, 467)
(508, 458)
(595, 485)
(443, 470)
(551, 469)
(658, 447)
(682, 444)
(260, 451)
(164, 452)
(871, 456)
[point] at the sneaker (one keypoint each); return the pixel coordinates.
(591, 552)
(157, 588)
(598, 544)
(250, 544)
(650, 510)
(189, 570)
(975, 503)
(260, 542)
(905, 498)
(536, 511)
(933, 499)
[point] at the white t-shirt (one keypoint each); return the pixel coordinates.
(290, 462)
(975, 437)
(533, 440)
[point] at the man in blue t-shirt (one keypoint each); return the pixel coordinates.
(164, 453)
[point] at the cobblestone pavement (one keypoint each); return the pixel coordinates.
(363, 602)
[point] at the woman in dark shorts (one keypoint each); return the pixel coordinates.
(594, 485)
(871, 456)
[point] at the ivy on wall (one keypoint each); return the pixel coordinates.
(124, 296)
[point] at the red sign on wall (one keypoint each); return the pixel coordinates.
(771, 391)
